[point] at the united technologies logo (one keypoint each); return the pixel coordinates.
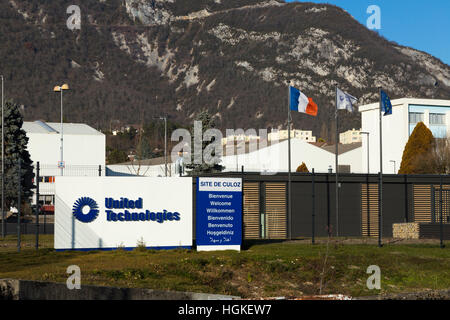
(85, 209)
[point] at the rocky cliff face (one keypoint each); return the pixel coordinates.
(234, 58)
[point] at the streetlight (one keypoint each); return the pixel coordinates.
(368, 134)
(395, 171)
(165, 141)
(61, 89)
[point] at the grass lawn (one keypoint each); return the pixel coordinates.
(290, 268)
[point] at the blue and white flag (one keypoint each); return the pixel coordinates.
(344, 101)
(386, 105)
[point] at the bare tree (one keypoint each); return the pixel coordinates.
(137, 163)
(437, 160)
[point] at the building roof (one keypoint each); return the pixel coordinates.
(403, 101)
(55, 127)
(342, 148)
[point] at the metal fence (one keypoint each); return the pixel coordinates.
(135, 169)
(35, 215)
(47, 174)
(423, 199)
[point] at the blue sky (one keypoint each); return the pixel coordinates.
(420, 24)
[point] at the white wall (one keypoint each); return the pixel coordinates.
(395, 136)
(352, 158)
(78, 149)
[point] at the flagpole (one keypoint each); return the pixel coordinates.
(289, 164)
(337, 168)
(380, 187)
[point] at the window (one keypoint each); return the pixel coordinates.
(46, 200)
(437, 118)
(415, 117)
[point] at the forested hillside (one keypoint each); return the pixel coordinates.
(133, 60)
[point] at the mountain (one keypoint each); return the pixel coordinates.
(133, 60)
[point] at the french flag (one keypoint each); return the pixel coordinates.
(301, 103)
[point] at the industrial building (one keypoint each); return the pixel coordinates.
(83, 153)
(397, 128)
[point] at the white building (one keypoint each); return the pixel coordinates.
(83, 152)
(274, 158)
(240, 137)
(270, 159)
(304, 135)
(397, 127)
(350, 136)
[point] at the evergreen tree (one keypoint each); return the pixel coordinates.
(143, 149)
(196, 168)
(302, 168)
(419, 144)
(16, 147)
(117, 156)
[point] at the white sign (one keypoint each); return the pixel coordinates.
(220, 184)
(123, 212)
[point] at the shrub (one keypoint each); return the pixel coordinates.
(419, 144)
(302, 168)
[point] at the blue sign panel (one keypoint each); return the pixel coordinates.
(219, 213)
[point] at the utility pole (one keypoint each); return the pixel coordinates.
(62, 135)
(165, 144)
(3, 163)
(37, 204)
(165, 141)
(380, 191)
(337, 169)
(19, 202)
(289, 164)
(61, 89)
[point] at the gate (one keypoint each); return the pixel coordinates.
(369, 210)
(435, 194)
(265, 214)
(275, 211)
